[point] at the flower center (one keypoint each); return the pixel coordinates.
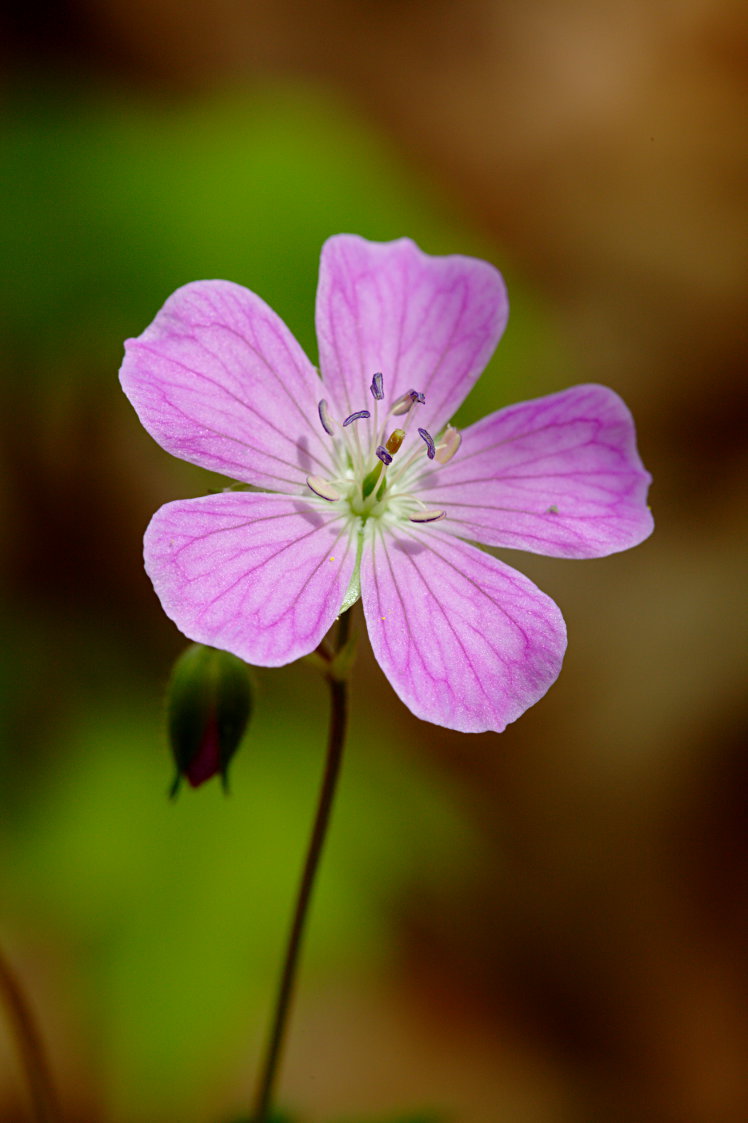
(378, 460)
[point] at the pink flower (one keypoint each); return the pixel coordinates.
(364, 490)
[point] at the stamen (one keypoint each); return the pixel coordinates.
(430, 446)
(406, 401)
(377, 386)
(384, 455)
(430, 516)
(324, 416)
(448, 445)
(395, 439)
(361, 413)
(323, 488)
(402, 405)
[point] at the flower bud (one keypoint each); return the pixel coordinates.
(209, 705)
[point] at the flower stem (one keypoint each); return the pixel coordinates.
(29, 1044)
(335, 741)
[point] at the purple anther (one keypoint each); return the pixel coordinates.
(324, 417)
(377, 386)
(417, 396)
(356, 417)
(323, 488)
(430, 446)
(384, 455)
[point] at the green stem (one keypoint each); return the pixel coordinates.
(335, 743)
(29, 1044)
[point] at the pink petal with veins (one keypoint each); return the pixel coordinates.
(218, 380)
(465, 641)
(558, 475)
(262, 576)
(427, 323)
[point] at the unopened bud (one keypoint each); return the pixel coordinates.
(209, 706)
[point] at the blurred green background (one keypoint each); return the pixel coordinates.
(541, 927)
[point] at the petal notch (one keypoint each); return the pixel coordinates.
(428, 322)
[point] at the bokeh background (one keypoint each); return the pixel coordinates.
(548, 926)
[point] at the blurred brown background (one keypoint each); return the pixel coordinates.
(555, 928)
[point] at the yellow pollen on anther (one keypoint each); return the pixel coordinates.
(395, 439)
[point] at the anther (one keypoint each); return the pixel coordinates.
(357, 416)
(323, 488)
(448, 445)
(430, 516)
(384, 455)
(430, 446)
(406, 402)
(377, 386)
(395, 439)
(402, 405)
(324, 416)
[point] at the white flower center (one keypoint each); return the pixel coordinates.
(378, 460)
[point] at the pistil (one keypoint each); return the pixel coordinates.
(370, 481)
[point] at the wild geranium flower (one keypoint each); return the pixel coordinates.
(363, 487)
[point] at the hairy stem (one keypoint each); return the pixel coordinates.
(335, 742)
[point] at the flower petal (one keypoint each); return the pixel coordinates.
(558, 475)
(218, 379)
(262, 576)
(427, 323)
(465, 641)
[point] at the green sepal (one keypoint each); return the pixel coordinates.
(343, 660)
(353, 592)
